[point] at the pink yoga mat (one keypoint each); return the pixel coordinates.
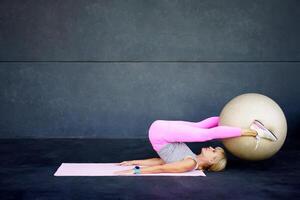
(107, 169)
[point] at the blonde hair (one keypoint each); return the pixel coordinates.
(221, 162)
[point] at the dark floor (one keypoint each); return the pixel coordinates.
(28, 165)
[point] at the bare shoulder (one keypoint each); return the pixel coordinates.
(187, 162)
(183, 165)
(190, 161)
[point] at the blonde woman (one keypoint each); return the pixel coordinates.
(168, 140)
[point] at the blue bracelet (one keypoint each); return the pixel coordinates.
(136, 170)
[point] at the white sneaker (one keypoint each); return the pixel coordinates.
(262, 131)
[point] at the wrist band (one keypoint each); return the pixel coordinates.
(136, 170)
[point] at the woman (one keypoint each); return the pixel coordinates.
(168, 137)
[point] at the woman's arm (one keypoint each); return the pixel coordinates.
(144, 162)
(175, 167)
(150, 162)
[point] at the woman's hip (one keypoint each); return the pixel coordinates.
(156, 133)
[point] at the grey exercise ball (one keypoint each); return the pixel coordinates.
(240, 112)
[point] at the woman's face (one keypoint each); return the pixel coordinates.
(210, 153)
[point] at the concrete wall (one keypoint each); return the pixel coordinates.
(110, 68)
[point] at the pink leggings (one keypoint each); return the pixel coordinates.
(162, 132)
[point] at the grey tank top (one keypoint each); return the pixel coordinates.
(176, 151)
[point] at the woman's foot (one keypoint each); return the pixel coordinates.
(262, 131)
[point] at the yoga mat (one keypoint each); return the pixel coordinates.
(107, 169)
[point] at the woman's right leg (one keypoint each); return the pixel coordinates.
(162, 132)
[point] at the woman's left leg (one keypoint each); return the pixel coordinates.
(206, 123)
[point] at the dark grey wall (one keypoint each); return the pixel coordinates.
(110, 68)
(156, 30)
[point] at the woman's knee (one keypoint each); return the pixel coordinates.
(214, 118)
(213, 121)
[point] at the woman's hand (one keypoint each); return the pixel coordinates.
(127, 163)
(124, 172)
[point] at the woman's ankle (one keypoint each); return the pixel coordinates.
(249, 132)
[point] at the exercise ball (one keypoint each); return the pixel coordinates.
(240, 112)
